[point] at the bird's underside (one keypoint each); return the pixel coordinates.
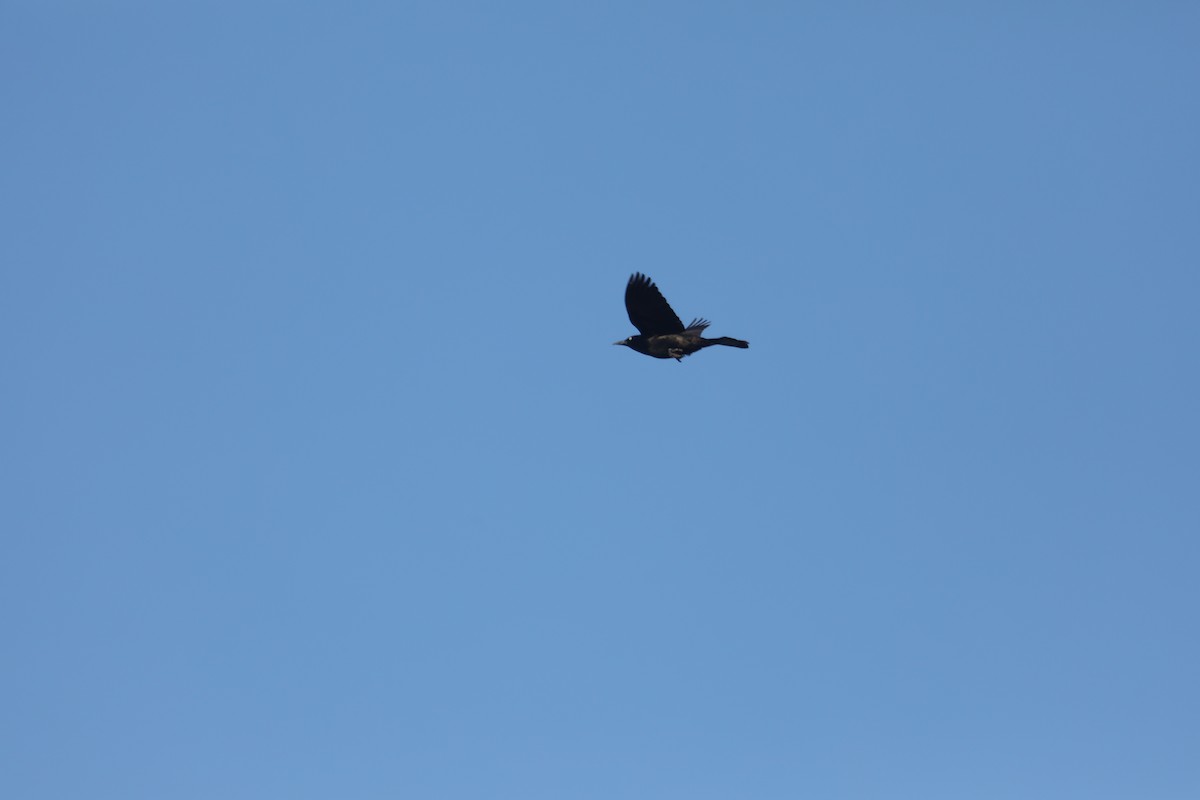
(661, 332)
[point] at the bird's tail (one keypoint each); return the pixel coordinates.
(727, 341)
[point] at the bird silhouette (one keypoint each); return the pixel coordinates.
(661, 333)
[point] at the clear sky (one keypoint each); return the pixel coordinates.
(320, 477)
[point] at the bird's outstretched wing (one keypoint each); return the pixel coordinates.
(648, 309)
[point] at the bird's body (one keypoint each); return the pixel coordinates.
(661, 333)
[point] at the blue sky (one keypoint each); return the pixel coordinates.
(322, 479)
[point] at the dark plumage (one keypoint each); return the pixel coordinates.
(662, 334)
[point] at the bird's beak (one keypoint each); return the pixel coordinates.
(620, 342)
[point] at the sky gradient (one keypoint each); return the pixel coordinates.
(321, 477)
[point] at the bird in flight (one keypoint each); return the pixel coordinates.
(661, 333)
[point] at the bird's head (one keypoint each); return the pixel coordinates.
(625, 342)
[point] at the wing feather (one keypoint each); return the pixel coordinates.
(648, 309)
